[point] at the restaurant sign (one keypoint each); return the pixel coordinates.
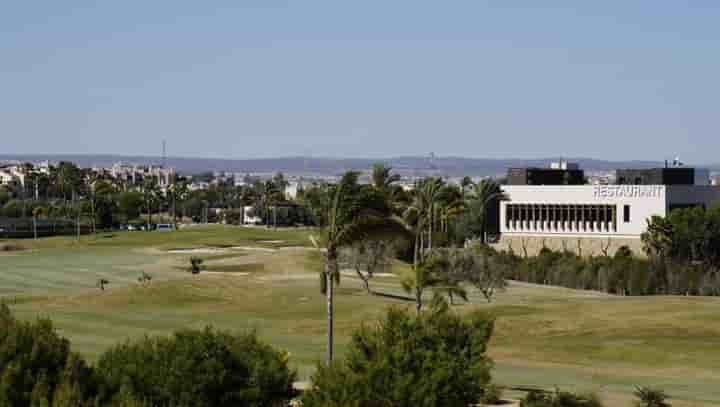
(629, 191)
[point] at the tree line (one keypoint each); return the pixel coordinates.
(99, 201)
(437, 358)
(681, 257)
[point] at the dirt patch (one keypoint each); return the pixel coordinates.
(10, 247)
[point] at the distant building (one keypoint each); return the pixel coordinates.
(12, 175)
(135, 175)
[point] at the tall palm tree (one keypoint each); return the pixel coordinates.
(450, 205)
(431, 193)
(92, 180)
(383, 178)
(353, 214)
(485, 194)
(181, 193)
(36, 212)
(465, 184)
(151, 194)
(419, 217)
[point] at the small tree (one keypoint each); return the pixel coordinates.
(451, 266)
(195, 263)
(144, 278)
(101, 283)
(424, 276)
(648, 397)
(486, 272)
(197, 368)
(436, 358)
(368, 257)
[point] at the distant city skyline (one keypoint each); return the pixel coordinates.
(608, 80)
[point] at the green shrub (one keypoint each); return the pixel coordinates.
(492, 395)
(648, 397)
(37, 367)
(559, 399)
(197, 368)
(436, 359)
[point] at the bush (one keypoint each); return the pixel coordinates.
(197, 368)
(492, 395)
(559, 399)
(436, 359)
(648, 397)
(195, 263)
(37, 367)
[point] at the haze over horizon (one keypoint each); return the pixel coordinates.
(478, 79)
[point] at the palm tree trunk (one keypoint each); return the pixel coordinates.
(92, 209)
(35, 226)
(331, 269)
(483, 226)
(418, 298)
(416, 251)
(430, 228)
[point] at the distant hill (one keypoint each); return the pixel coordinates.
(333, 166)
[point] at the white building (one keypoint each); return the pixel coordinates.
(12, 175)
(557, 216)
(132, 174)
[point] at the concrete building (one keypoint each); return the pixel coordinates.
(595, 218)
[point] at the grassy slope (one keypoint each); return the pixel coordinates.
(545, 336)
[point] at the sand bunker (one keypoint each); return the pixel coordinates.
(226, 273)
(199, 250)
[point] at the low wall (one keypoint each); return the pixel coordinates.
(584, 246)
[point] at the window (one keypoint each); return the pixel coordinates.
(626, 213)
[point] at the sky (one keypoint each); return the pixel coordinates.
(611, 79)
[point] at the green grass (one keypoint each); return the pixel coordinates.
(544, 336)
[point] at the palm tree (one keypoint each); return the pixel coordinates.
(180, 192)
(450, 206)
(431, 193)
(354, 213)
(466, 183)
(67, 178)
(419, 218)
(151, 193)
(485, 194)
(383, 178)
(92, 180)
(272, 195)
(36, 212)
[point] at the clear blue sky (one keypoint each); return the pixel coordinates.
(613, 79)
